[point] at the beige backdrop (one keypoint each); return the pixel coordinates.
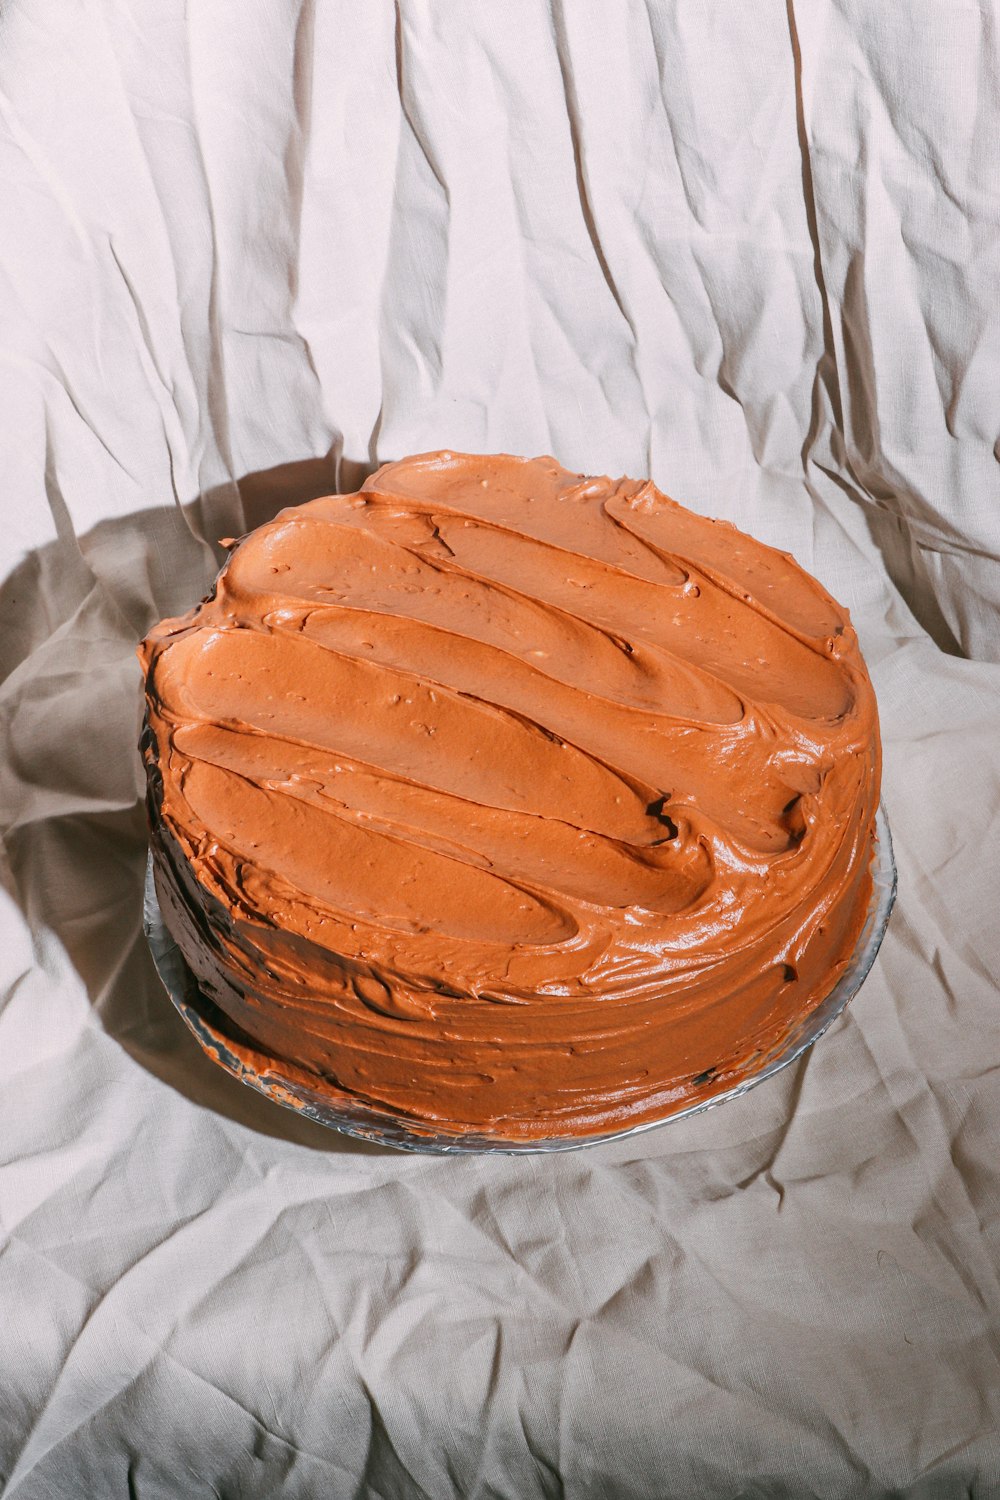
(249, 249)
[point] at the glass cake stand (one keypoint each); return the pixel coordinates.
(371, 1124)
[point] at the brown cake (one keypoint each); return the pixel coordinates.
(510, 802)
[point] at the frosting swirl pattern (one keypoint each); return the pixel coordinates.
(507, 801)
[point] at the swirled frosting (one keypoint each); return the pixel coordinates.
(507, 801)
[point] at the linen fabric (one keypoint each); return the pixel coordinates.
(248, 252)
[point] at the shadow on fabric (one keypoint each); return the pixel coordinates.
(72, 808)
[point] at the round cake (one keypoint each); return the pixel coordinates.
(510, 803)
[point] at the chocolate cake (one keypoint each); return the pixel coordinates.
(510, 802)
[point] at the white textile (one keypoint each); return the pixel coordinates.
(248, 251)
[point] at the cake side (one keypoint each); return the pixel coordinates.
(512, 801)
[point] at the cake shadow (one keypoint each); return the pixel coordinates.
(76, 840)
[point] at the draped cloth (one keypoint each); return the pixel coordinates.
(248, 252)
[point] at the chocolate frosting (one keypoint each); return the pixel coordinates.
(510, 801)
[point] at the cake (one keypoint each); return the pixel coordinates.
(507, 803)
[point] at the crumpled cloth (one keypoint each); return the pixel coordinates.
(246, 253)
